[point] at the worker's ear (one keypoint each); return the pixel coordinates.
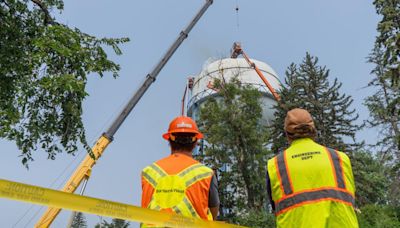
(288, 138)
(172, 137)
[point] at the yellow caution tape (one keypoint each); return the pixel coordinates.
(52, 198)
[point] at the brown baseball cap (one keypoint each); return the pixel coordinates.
(299, 124)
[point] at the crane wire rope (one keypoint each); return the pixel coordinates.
(51, 185)
(237, 20)
(62, 173)
(237, 14)
(79, 155)
(93, 140)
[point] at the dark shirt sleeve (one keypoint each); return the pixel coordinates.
(213, 198)
(269, 191)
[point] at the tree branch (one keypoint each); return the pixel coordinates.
(47, 16)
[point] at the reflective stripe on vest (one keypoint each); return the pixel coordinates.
(337, 166)
(316, 195)
(291, 200)
(283, 173)
(174, 197)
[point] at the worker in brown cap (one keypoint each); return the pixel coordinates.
(310, 185)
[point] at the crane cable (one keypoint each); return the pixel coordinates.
(237, 14)
(51, 185)
(79, 155)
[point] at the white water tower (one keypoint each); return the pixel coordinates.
(226, 69)
(200, 89)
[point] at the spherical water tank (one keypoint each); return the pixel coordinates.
(226, 69)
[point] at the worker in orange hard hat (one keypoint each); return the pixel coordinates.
(310, 185)
(178, 183)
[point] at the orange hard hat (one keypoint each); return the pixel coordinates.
(183, 124)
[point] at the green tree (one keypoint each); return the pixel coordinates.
(43, 74)
(307, 86)
(379, 216)
(384, 108)
(256, 219)
(386, 146)
(236, 147)
(115, 223)
(79, 221)
(370, 179)
(384, 104)
(388, 40)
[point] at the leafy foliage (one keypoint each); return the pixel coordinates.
(256, 219)
(384, 104)
(384, 110)
(79, 221)
(235, 146)
(378, 216)
(370, 177)
(115, 223)
(43, 74)
(307, 86)
(388, 40)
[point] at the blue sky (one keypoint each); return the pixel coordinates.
(341, 33)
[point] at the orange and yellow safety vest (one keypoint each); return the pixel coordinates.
(312, 186)
(177, 184)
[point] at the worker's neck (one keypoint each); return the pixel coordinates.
(187, 153)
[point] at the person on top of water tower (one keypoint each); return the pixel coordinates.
(310, 185)
(178, 183)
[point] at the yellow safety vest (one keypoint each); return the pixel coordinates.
(312, 186)
(170, 191)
